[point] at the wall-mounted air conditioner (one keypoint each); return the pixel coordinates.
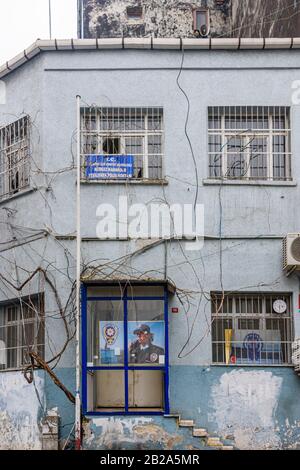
(291, 252)
(296, 355)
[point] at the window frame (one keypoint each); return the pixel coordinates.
(226, 133)
(234, 317)
(126, 367)
(15, 157)
(37, 321)
(101, 135)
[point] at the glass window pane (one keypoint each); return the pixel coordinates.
(145, 291)
(105, 331)
(106, 390)
(105, 291)
(146, 332)
(145, 389)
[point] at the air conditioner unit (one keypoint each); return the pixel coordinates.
(291, 252)
(296, 355)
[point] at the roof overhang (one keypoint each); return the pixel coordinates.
(147, 44)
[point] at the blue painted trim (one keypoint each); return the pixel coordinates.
(124, 299)
(126, 351)
(166, 388)
(129, 413)
(91, 368)
(84, 347)
(102, 299)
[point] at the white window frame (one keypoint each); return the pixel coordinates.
(144, 134)
(269, 134)
(235, 316)
(18, 149)
(35, 304)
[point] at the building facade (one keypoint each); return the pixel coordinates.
(171, 323)
(200, 18)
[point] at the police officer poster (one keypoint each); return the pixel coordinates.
(146, 343)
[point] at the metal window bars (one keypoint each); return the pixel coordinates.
(22, 329)
(121, 133)
(249, 143)
(247, 331)
(14, 157)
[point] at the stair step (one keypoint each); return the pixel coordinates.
(186, 423)
(200, 433)
(214, 442)
(227, 448)
(172, 416)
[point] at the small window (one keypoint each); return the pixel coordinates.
(122, 143)
(134, 12)
(21, 331)
(247, 329)
(14, 157)
(201, 22)
(249, 143)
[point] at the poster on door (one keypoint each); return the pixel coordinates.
(146, 342)
(111, 339)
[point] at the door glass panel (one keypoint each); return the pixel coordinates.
(145, 389)
(107, 387)
(146, 332)
(105, 333)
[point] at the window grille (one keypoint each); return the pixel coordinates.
(121, 143)
(249, 143)
(14, 157)
(247, 331)
(21, 331)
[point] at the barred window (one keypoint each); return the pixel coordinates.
(21, 331)
(249, 142)
(14, 157)
(248, 330)
(121, 143)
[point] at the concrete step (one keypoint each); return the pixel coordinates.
(200, 432)
(172, 416)
(186, 423)
(214, 442)
(227, 448)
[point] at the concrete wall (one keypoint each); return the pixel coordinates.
(255, 217)
(170, 18)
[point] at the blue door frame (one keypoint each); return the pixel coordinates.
(85, 369)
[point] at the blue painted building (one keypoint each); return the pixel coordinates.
(186, 341)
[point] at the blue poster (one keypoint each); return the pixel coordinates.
(111, 339)
(108, 166)
(256, 347)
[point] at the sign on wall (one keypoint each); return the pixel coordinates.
(108, 166)
(256, 347)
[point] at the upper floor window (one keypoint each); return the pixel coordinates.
(121, 143)
(14, 157)
(21, 331)
(249, 143)
(251, 329)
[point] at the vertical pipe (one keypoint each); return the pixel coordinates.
(78, 272)
(50, 22)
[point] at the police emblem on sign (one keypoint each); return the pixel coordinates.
(153, 357)
(110, 333)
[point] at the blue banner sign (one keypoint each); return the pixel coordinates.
(109, 166)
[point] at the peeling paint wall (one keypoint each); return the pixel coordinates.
(168, 18)
(20, 412)
(245, 403)
(172, 18)
(136, 433)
